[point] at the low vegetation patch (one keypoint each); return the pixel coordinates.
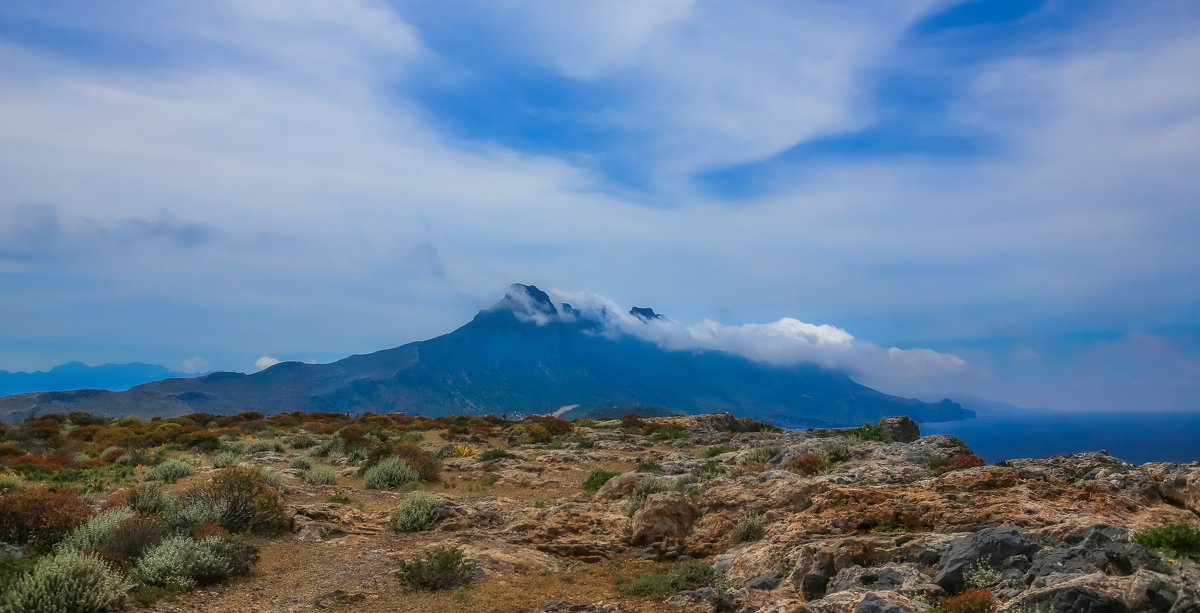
(868, 432)
(1176, 540)
(40, 518)
(807, 464)
(748, 528)
(440, 569)
(691, 575)
(170, 471)
(713, 451)
(319, 475)
(970, 601)
(598, 478)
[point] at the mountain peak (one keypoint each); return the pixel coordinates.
(644, 313)
(527, 301)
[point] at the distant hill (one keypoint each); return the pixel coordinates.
(77, 375)
(524, 355)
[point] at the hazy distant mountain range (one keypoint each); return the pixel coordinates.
(524, 355)
(77, 375)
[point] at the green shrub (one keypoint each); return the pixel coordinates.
(319, 475)
(713, 451)
(302, 441)
(937, 461)
(761, 455)
(835, 451)
(182, 562)
(668, 434)
(442, 568)
(68, 582)
(416, 512)
(980, 574)
(96, 531)
(222, 459)
(598, 478)
(390, 474)
(148, 498)
(275, 479)
(10, 483)
(748, 528)
(1177, 540)
(263, 446)
(170, 471)
(688, 576)
(301, 463)
(868, 432)
(651, 467)
(244, 497)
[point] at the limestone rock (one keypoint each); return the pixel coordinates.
(992, 545)
(666, 515)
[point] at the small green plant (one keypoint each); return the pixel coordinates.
(668, 434)
(651, 467)
(10, 483)
(597, 479)
(390, 473)
(275, 479)
(148, 498)
(490, 479)
(709, 470)
(868, 432)
(417, 511)
(937, 461)
(980, 574)
(761, 455)
(1176, 540)
(170, 471)
(319, 474)
(339, 499)
(835, 451)
(68, 581)
(687, 576)
(301, 463)
(222, 459)
(585, 422)
(440, 569)
(748, 528)
(713, 451)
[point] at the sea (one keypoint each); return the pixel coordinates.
(1134, 436)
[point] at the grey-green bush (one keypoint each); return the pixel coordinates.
(96, 531)
(221, 459)
(67, 582)
(170, 471)
(760, 455)
(301, 463)
(319, 475)
(389, 474)
(187, 514)
(182, 562)
(417, 511)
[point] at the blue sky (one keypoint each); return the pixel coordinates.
(1009, 184)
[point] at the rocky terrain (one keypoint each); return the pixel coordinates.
(714, 513)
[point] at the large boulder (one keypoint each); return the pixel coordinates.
(1101, 547)
(663, 516)
(902, 429)
(991, 545)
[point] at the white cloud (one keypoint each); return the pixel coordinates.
(195, 365)
(787, 341)
(264, 363)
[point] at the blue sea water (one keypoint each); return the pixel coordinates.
(1136, 436)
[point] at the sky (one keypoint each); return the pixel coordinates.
(1008, 188)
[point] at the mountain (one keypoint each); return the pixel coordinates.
(76, 375)
(524, 355)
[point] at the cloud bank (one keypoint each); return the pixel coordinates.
(787, 341)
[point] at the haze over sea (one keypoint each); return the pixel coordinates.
(1135, 436)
